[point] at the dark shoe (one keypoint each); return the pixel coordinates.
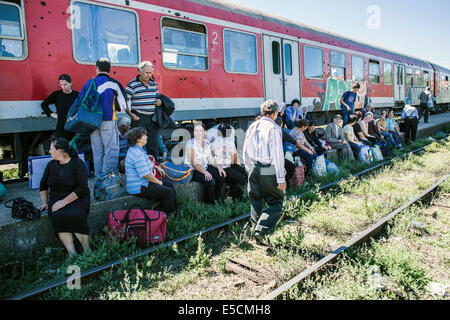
(260, 238)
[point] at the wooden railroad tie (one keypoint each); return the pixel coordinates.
(256, 274)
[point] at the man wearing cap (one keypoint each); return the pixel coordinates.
(335, 136)
(264, 160)
(348, 101)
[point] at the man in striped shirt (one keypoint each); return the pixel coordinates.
(142, 94)
(264, 160)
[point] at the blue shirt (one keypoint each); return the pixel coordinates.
(410, 113)
(137, 165)
(349, 99)
(142, 98)
(289, 112)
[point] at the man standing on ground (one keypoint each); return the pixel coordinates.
(423, 108)
(105, 139)
(348, 101)
(264, 160)
(142, 94)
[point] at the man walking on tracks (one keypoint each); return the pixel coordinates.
(142, 94)
(264, 160)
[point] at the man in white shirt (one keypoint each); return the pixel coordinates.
(264, 161)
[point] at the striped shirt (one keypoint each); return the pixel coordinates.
(263, 143)
(410, 112)
(140, 97)
(137, 165)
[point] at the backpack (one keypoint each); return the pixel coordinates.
(86, 117)
(177, 173)
(109, 187)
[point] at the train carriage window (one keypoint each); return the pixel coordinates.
(240, 53)
(387, 72)
(12, 36)
(313, 62)
(288, 59)
(409, 77)
(357, 68)
(338, 65)
(276, 57)
(426, 79)
(374, 71)
(99, 35)
(184, 45)
(418, 78)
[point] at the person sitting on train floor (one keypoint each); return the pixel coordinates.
(124, 125)
(68, 201)
(381, 123)
(367, 108)
(313, 139)
(348, 100)
(292, 113)
(63, 100)
(304, 150)
(198, 157)
(334, 134)
(393, 128)
(140, 173)
(350, 137)
(105, 139)
(224, 155)
(411, 118)
(359, 128)
(289, 144)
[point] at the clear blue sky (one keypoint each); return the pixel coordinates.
(416, 28)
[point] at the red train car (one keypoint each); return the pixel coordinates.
(215, 59)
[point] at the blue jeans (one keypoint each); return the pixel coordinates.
(306, 156)
(105, 148)
(346, 114)
(356, 149)
(389, 138)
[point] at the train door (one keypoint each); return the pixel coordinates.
(281, 69)
(399, 82)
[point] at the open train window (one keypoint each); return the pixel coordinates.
(276, 52)
(426, 79)
(357, 68)
(12, 31)
(374, 71)
(409, 77)
(185, 45)
(97, 34)
(240, 52)
(418, 78)
(338, 65)
(313, 62)
(387, 73)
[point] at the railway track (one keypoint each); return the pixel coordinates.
(370, 232)
(36, 292)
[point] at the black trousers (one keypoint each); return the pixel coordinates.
(165, 194)
(213, 187)
(237, 177)
(423, 109)
(263, 186)
(145, 121)
(411, 125)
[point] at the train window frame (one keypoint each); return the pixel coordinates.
(285, 59)
(304, 69)
(363, 64)
(23, 29)
(279, 66)
(373, 74)
(188, 22)
(256, 52)
(138, 37)
(427, 84)
(409, 72)
(336, 66)
(385, 63)
(418, 72)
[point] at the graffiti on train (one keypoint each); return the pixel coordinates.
(443, 95)
(413, 95)
(330, 95)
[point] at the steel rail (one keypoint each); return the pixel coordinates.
(362, 237)
(93, 271)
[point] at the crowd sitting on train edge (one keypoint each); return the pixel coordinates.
(133, 146)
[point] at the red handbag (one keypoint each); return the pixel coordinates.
(298, 177)
(154, 171)
(147, 226)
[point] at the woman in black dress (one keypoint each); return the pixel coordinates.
(68, 201)
(63, 100)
